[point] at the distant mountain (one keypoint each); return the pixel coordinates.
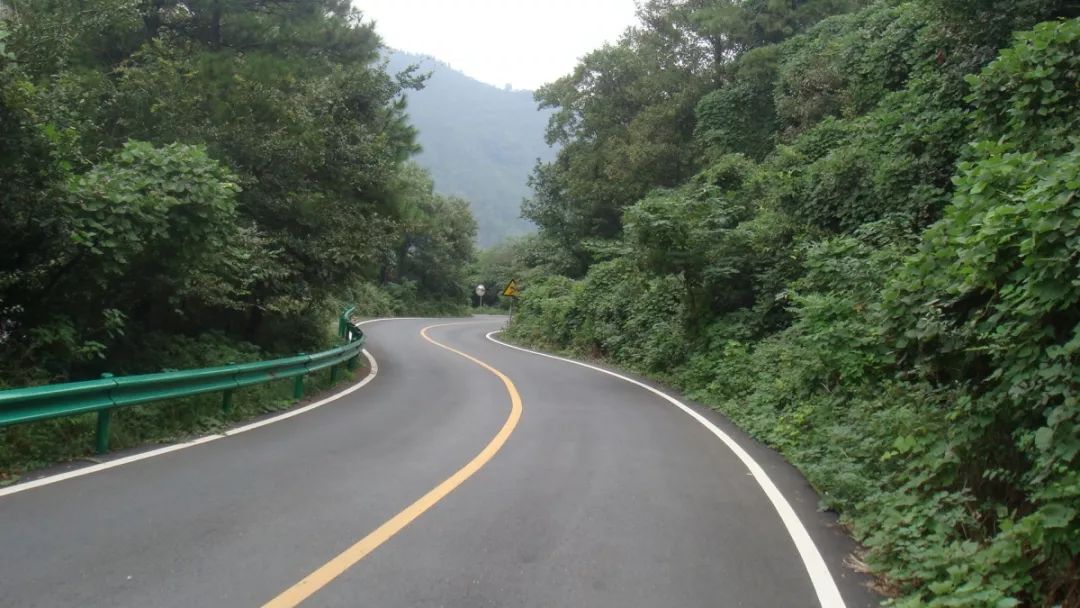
(480, 143)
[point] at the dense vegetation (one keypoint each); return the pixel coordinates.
(234, 167)
(478, 141)
(192, 182)
(853, 227)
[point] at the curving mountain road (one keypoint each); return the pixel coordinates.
(465, 473)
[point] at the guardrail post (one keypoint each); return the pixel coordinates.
(344, 324)
(333, 374)
(298, 385)
(101, 443)
(227, 398)
(350, 364)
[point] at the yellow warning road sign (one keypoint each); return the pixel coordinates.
(511, 290)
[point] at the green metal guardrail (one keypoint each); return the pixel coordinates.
(36, 403)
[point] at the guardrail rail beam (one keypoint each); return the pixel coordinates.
(102, 396)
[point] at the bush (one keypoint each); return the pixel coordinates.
(989, 305)
(903, 327)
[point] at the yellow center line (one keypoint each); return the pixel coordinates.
(322, 576)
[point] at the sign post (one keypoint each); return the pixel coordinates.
(480, 291)
(511, 291)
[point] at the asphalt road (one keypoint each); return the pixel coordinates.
(596, 492)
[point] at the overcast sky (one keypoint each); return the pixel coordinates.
(524, 43)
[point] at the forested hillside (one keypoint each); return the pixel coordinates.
(197, 182)
(480, 142)
(853, 227)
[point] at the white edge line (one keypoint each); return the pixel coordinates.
(824, 585)
(310, 406)
(51, 479)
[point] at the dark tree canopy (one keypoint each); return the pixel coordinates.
(852, 227)
(184, 166)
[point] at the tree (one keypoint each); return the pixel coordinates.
(624, 120)
(119, 111)
(436, 242)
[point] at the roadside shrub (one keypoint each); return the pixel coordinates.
(989, 305)
(546, 315)
(904, 327)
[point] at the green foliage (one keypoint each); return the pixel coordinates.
(806, 389)
(978, 29)
(545, 313)
(221, 173)
(993, 298)
(846, 64)
(149, 232)
(496, 266)
(438, 234)
(877, 121)
(690, 234)
(4, 34)
(1027, 97)
(319, 187)
(740, 117)
(734, 26)
(854, 281)
(614, 312)
(173, 205)
(184, 167)
(623, 119)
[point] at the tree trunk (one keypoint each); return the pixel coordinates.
(215, 26)
(254, 325)
(152, 17)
